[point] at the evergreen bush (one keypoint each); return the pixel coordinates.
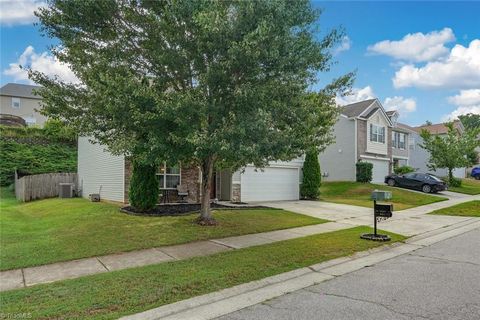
(143, 192)
(403, 170)
(364, 171)
(312, 178)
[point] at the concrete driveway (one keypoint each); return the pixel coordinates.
(438, 282)
(407, 222)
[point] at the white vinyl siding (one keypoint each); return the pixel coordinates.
(100, 171)
(377, 126)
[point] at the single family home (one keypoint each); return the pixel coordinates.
(101, 172)
(20, 100)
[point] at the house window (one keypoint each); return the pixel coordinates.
(377, 133)
(398, 140)
(15, 102)
(168, 177)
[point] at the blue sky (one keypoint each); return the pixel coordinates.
(422, 58)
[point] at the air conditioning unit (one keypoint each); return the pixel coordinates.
(65, 190)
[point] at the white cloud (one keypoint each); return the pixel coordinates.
(461, 111)
(468, 101)
(416, 47)
(43, 62)
(345, 45)
(18, 12)
(461, 69)
(466, 98)
(357, 94)
(401, 104)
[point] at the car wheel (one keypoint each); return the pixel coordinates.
(391, 182)
(426, 188)
(477, 177)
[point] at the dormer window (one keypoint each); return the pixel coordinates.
(377, 133)
(15, 102)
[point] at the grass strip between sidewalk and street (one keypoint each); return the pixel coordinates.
(359, 194)
(111, 295)
(466, 209)
(54, 230)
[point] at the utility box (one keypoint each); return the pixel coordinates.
(94, 197)
(65, 190)
(380, 195)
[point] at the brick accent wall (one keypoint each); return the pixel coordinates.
(128, 176)
(236, 192)
(190, 176)
(361, 137)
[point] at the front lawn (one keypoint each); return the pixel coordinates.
(358, 194)
(111, 295)
(466, 209)
(469, 186)
(54, 230)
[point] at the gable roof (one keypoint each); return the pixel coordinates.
(355, 109)
(404, 128)
(19, 90)
(440, 128)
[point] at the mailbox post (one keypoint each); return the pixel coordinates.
(380, 212)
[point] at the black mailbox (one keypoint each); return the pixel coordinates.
(383, 210)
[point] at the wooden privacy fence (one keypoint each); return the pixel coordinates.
(40, 186)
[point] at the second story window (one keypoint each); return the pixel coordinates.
(398, 140)
(15, 102)
(377, 133)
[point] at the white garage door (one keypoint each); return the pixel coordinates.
(380, 170)
(270, 184)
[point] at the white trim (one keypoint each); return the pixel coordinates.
(356, 144)
(390, 124)
(123, 180)
(400, 157)
(368, 108)
(374, 158)
(344, 116)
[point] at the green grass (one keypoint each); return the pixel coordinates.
(466, 209)
(111, 295)
(358, 194)
(469, 186)
(53, 230)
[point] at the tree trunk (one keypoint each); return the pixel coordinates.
(450, 175)
(205, 210)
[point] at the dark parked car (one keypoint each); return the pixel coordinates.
(419, 181)
(476, 173)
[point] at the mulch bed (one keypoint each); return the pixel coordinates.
(181, 209)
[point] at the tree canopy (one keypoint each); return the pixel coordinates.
(470, 121)
(220, 84)
(450, 151)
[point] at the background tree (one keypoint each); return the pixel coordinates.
(470, 121)
(450, 151)
(218, 84)
(312, 177)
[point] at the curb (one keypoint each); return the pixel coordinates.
(232, 299)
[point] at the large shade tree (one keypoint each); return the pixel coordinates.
(450, 151)
(219, 84)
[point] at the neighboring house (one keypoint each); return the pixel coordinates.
(419, 156)
(363, 132)
(101, 172)
(19, 100)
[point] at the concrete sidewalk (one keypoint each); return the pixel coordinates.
(407, 222)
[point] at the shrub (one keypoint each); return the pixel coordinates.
(57, 129)
(143, 192)
(364, 171)
(32, 157)
(454, 182)
(312, 178)
(403, 170)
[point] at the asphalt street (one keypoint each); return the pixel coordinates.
(441, 281)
